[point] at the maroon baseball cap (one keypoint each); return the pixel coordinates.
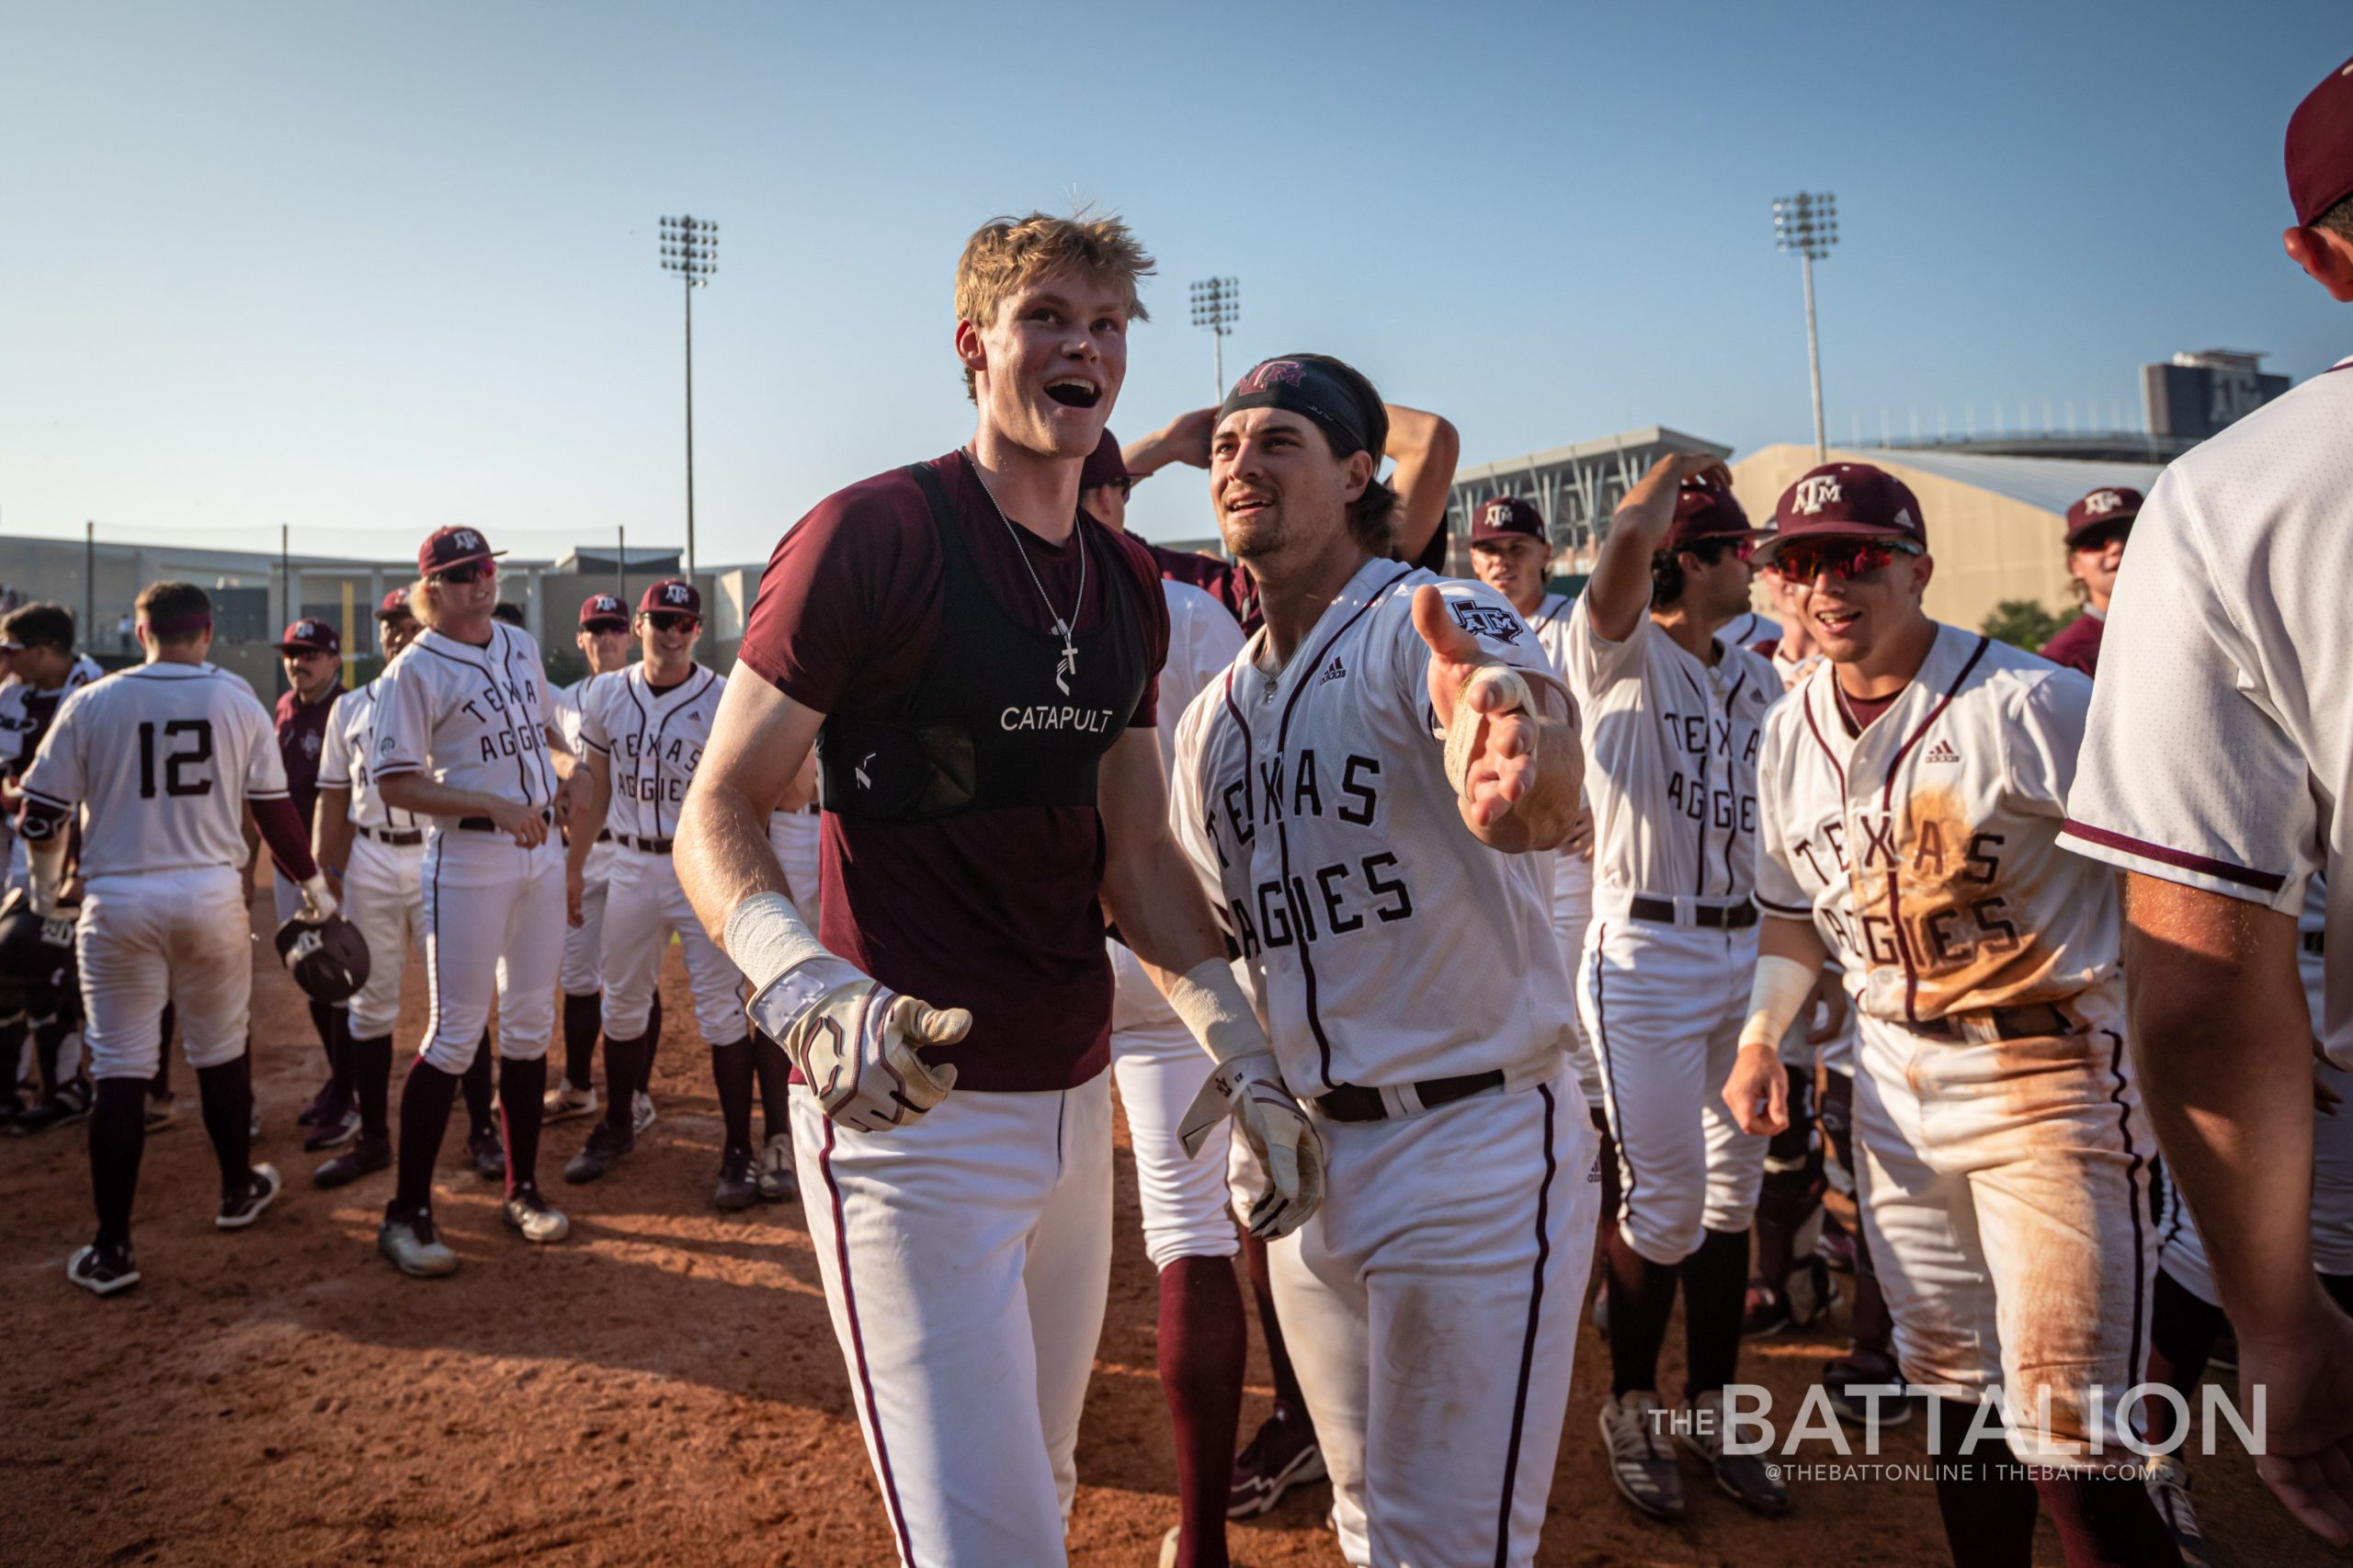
(311, 636)
(1507, 516)
(672, 594)
(395, 606)
(604, 609)
(1104, 464)
(2109, 504)
(2320, 146)
(452, 546)
(1848, 501)
(1705, 514)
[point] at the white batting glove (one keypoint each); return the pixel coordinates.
(856, 1048)
(318, 902)
(1251, 1090)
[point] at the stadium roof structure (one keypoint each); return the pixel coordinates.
(1572, 485)
(2051, 485)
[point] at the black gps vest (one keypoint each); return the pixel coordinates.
(994, 721)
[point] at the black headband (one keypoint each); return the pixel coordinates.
(1337, 397)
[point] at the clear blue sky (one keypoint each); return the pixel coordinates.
(367, 270)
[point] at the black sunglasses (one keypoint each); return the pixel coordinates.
(470, 571)
(673, 620)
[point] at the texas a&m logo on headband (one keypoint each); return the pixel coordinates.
(1273, 373)
(1485, 620)
(1815, 494)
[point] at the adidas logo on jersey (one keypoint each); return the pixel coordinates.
(1941, 751)
(1334, 671)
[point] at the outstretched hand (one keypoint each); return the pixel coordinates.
(1502, 746)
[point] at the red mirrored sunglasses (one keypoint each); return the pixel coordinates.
(471, 571)
(673, 620)
(1846, 559)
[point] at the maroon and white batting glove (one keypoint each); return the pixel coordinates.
(1251, 1090)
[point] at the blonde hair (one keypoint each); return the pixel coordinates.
(424, 602)
(1003, 253)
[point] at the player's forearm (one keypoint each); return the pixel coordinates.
(1426, 448)
(1151, 894)
(417, 794)
(2222, 1038)
(721, 853)
(582, 841)
(281, 826)
(331, 834)
(1619, 591)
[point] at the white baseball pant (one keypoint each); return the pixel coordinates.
(1571, 917)
(2005, 1192)
(796, 840)
(1431, 1309)
(150, 938)
(1664, 1006)
(583, 972)
(643, 905)
(493, 931)
(1160, 1068)
(966, 1258)
(383, 895)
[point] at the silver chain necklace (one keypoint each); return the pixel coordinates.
(1069, 664)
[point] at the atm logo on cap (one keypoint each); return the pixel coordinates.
(1815, 494)
(675, 594)
(2100, 500)
(466, 538)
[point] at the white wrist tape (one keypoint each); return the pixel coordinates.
(766, 937)
(1775, 998)
(1513, 693)
(1213, 1007)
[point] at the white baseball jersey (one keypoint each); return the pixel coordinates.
(1670, 759)
(1572, 874)
(165, 757)
(1314, 804)
(1926, 850)
(654, 739)
(24, 712)
(581, 963)
(2225, 762)
(343, 765)
(1749, 629)
(473, 718)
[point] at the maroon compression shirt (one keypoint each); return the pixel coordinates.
(996, 911)
(301, 736)
(2077, 644)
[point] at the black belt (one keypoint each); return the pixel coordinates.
(2316, 941)
(403, 837)
(1354, 1102)
(1714, 918)
(603, 836)
(483, 824)
(2031, 1021)
(645, 846)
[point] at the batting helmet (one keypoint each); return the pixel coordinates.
(328, 959)
(35, 952)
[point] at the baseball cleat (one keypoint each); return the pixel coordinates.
(2167, 1480)
(564, 1102)
(1744, 1478)
(363, 1156)
(598, 1155)
(1845, 1379)
(641, 1112)
(262, 1189)
(1171, 1546)
(1284, 1454)
(162, 1110)
(739, 1185)
(1810, 1292)
(488, 1154)
(414, 1247)
(539, 1221)
(321, 1103)
(1767, 1312)
(69, 1105)
(1642, 1464)
(334, 1135)
(103, 1270)
(779, 1181)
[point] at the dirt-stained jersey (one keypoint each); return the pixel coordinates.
(472, 718)
(654, 741)
(343, 765)
(1926, 850)
(164, 757)
(1386, 945)
(1670, 759)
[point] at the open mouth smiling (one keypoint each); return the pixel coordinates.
(1073, 393)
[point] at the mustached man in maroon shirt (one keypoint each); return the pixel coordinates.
(974, 663)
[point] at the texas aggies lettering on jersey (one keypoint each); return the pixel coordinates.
(476, 714)
(1924, 849)
(1671, 741)
(1305, 800)
(201, 746)
(654, 740)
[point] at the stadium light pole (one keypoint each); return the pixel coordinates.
(1217, 305)
(690, 249)
(1808, 224)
